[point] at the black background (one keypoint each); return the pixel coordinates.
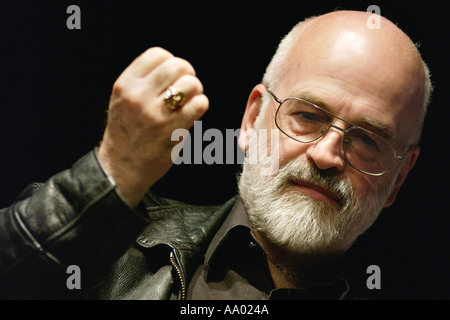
(55, 87)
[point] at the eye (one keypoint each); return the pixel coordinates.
(308, 116)
(311, 117)
(366, 139)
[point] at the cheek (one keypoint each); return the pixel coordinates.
(290, 149)
(361, 183)
(364, 185)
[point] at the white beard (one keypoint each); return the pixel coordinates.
(299, 223)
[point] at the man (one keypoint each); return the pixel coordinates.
(348, 103)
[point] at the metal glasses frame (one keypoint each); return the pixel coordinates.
(345, 131)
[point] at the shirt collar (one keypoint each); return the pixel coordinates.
(236, 218)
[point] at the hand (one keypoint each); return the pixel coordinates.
(136, 146)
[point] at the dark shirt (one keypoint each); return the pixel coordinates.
(235, 267)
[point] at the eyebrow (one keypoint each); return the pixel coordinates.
(378, 127)
(310, 98)
(370, 124)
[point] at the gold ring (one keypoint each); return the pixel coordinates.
(174, 98)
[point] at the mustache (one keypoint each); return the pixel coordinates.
(297, 170)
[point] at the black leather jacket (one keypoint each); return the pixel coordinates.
(78, 218)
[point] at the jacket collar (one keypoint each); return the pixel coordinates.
(185, 229)
(179, 225)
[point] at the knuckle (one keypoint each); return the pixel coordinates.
(117, 88)
(181, 65)
(201, 105)
(192, 83)
(200, 87)
(171, 70)
(196, 84)
(121, 86)
(206, 103)
(157, 52)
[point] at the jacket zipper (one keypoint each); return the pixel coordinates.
(180, 275)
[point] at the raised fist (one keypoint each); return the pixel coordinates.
(136, 146)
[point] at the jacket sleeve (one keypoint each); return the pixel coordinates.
(77, 218)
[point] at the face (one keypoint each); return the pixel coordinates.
(303, 208)
(317, 202)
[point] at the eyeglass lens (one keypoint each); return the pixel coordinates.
(304, 122)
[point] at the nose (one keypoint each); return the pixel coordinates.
(327, 153)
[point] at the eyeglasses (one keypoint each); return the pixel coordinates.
(364, 150)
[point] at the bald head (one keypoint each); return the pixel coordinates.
(381, 61)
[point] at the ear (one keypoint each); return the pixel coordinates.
(407, 166)
(252, 109)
